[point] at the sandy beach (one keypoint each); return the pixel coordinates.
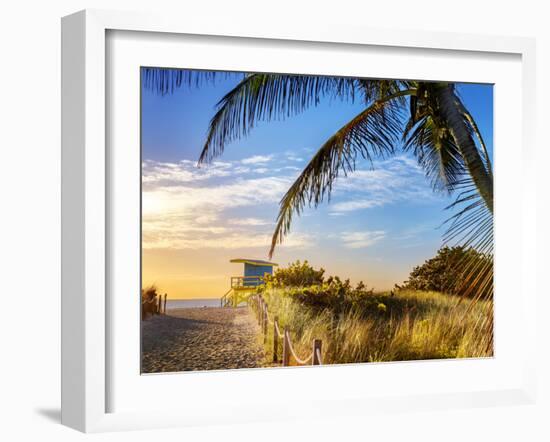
(201, 339)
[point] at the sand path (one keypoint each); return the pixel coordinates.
(201, 339)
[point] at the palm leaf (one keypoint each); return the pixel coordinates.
(472, 228)
(264, 97)
(449, 109)
(375, 89)
(371, 134)
(436, 151)
(164, 81)
(475, 132)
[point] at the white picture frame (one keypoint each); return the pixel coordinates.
(86, 208)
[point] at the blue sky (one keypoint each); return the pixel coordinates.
(383, 219)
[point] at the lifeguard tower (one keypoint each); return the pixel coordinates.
(243, 286)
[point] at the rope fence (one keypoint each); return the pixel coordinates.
(260, 307)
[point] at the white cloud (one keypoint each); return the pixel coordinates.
(239, 239)
(184, 198)
(358, 240)
(257, 159)
(185, 206)
(395, 180)
(156, 173)
(292, 155)
(241, 170)
(249, 222)
(294, 158)
(188, 207)
(348, 206)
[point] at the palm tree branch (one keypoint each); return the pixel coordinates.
(472, 228)
(435, 151)
(164, 81)
(263, 97)
(450, 112)
(371, 134)
(475, 129)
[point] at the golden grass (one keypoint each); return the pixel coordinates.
(410, 325)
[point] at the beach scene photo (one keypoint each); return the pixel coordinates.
(301, 220)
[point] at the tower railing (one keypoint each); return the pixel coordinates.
(245, 281)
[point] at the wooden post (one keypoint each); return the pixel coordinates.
(317, 343)
(286, 347)
(275, 338)
(262, 316)
(260, 305)
(165, 297)
(264, 313)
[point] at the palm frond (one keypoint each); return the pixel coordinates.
(371, 134)
(475, 132)
(263, 97)
(435, 150)
(449, 107)
(164, 81)
(472, 228)
(372, 90)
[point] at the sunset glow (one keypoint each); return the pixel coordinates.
(196, 219)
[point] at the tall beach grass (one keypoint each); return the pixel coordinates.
(401, 326)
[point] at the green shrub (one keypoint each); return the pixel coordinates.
(454, 270)
(297, 274)
(309, 287)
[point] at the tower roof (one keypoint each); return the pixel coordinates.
(254, 262)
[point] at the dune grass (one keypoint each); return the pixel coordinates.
(401, 326)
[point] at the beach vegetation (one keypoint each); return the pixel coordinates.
(149, 299)
(382, 327)
(357, 324)
(445, 273)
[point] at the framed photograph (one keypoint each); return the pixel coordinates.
(276, 223)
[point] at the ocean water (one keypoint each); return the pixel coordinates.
(191, 303)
